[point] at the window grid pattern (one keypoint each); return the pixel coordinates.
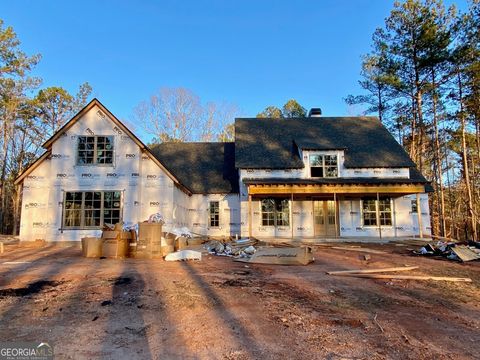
(95, 150)
(91, 209)
(323, 166)
(275, 212)
(371, 208)
(214, 214)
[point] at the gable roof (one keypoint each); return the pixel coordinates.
(205, 168)
(273, 143)
(95, 102)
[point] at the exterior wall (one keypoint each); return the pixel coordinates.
(198, 215)
(405, 223)
(145, 187)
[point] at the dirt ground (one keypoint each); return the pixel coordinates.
(220, 309)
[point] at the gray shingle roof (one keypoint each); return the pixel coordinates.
(204, 168)
(272, 143)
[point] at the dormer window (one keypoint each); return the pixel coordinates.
(95, 150)
(323, 166)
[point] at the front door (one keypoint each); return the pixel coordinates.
(324, 217)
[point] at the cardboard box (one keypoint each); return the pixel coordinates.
(92, 247)
(113, 248)
(167, 249)
(180, 243)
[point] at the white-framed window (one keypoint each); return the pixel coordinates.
(214, 213)
(91, 209)
(323, 166)
(371, 208)
(275, 212)
(95, 150)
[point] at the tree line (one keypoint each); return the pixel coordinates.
(29, 115)
(422, 78)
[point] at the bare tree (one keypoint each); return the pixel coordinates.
(177, 114)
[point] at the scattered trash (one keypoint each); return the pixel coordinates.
(156, 218)
(184, 255)
(451, 251)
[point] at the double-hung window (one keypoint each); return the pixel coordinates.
(214, 214)
(95, 150)
(323, 166)
(91, 209)
(373, 210)
(275, 212)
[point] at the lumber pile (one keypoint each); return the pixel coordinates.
(374, 274)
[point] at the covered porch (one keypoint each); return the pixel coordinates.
(305, 209)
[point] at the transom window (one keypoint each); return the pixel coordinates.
(371, 207)
(91, 209)
(323, 166)
(214, 213)
(275, 212)
(94, 150)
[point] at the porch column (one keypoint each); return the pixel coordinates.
(419, 214)
(249, 215)
(291, 214)
(377, 208)
(394, 214)
(335, 209)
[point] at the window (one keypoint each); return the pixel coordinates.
(268, 212)
(91, 209)
(323, 166)
(214, 214)
(369, 212)
(95, 150)
(370, 208)
(275, 212)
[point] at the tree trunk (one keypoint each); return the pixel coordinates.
(438, 159)
(466, 175)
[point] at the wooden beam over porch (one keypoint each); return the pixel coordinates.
(264, 189)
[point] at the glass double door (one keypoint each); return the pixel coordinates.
(324, 218)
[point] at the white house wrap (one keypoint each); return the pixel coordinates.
(309, 177)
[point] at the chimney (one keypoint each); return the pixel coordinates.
(315, 112)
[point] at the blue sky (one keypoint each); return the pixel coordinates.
(250, 53)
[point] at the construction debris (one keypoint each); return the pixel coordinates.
(373, 274)
(281, 256)
(359, 249)
(236, 248)
(369, 271)
(184, 255)
(450, 250)
(464, 253)
(408, 277)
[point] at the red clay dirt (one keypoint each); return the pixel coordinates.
(220, 309)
